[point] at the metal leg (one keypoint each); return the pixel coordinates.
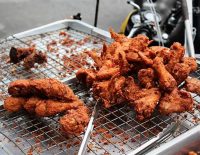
(96, 13)
(188, 27)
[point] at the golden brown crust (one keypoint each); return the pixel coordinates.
(144, 102)
(38, 106)
(86, 76)
(147, 78)
(13, 104)
(166, 80)
(193, 85)
(75, 121)
(47, 88)
(176, 101)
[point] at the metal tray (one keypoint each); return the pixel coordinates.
(116, 129)
(188, 141)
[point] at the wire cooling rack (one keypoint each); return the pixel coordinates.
(116, 129)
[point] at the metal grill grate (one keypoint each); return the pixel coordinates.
(116, 129)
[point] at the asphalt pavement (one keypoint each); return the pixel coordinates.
(20, 15)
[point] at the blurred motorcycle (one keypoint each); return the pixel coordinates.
(162, 21)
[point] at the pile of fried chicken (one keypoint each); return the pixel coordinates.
(30, 56)
(130, 70)
(48, 97)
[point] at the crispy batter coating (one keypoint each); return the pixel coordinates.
(130, 87)
(147, 77)
(57, 98)
(29, 55)
(35, 57)
(191, 62)
(14, 104)
(176, 101)
(95, 57)
(115, 89)
(132, 57)
(18, 54)
(100, 90)
(110, 91)
(180, 72)
(75, 121)
(145, 59)
(105, 73)
(177, 52)
(38, 106)
(47, 88)
(162, 52)
(159, 70)
(86, 76)
(193, 85)
(144, 102)
(166, 80)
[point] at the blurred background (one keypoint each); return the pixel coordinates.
(20, 15)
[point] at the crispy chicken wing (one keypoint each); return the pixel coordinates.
(176, 101)
(100, 90)
(110, 91)
(115, 87)
(130, 87)
(145, 59)
(177, 52)
(93, 54)
(166, 80)
(86, 76)
(74, 121)
(193, 85)
(162, 52)
(191, 62)
(144, 102)
(180, 72)
(147, 78)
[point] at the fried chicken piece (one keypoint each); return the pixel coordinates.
(193, 85)
(117, 37)
(176, 101)
(115, 88)
(162, 52)
(38, 106)
(191, 62)
(144, 102)
(133, 57)
(100, 90)
(177, 52)
(130, 87)
(139, 43)
(14, 104)
(46, 88)
(75, 121)
(45, 108)
(35, 57)
(180, 72)
(166, 80)
(95, 57)
(145, 59)
(105, 73)
(86, 76)
(147, 78)
(18, 54)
